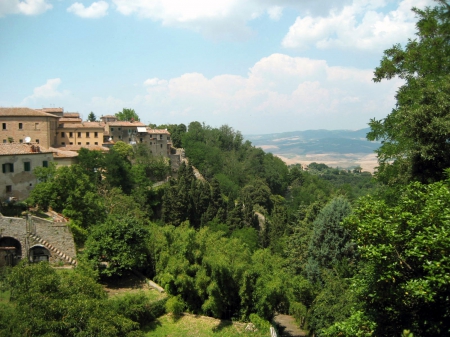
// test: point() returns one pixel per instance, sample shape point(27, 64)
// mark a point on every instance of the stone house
point(19, 123)
point(159, 141)
point(18, 162)
point(82, 133)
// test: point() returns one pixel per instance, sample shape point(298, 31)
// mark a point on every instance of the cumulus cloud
point(95, 10)
point(45, 93)
point(279, 93)
point(362, 25)
point(220, 18)
point(27, 7)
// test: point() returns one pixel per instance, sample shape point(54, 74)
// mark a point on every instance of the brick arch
point(10, 251)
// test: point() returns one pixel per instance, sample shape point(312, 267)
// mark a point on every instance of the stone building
point(83, 133)
point(19, 123)
point(159, 141)
point(18, 162)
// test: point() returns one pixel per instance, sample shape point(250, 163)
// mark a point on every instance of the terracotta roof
point(13, 112)
point(158, 131)
point(109, 116)
point(22, 148)
point(79, 147)
point(50, 110)
point(71, 115)
point(69, 119)
point(125, 123)
point(58, 153)
point(83, 125)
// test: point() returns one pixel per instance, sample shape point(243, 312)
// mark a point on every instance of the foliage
point(175, 306)
point(118, 245)
point(405, 284)
point(127, 115)
point(47, 303)
point(415, 134)
point(92, 117)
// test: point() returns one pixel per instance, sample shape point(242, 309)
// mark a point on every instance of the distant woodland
point(346, 253)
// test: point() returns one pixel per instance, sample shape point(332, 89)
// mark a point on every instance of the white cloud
point(95, 10)
point(275, 12)
point(363, 25)
point(46, 93)
point(279, 93)
point(27, 7)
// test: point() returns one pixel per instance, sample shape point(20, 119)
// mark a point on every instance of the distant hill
point(343, 148)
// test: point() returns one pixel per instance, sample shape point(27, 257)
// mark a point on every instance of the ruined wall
point(32, 231)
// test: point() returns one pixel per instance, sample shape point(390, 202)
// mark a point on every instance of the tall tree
point(92, 117)
point(415, 135)
point(127, 115)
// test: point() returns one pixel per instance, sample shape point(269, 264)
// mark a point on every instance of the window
point(37, 141)
point(79, 134)
point(87, 143)
point(8, 188)
point(151, 143)
point(160, 136)
point(120, 137)
point(96, 143)
point(168, 138)
point(119, 129)
point(3, 126)
point(87, 134)
point(7, 168)
point(79, 143)
point(63, 134)
point(20, 126)
point(71, 143)
point(63, 143)
point(4, 140)
point(45, 163)
point(129, 139)
point(140, 139)
point(161, 146)
point(70, 134)
point(95, 134)
point(21, 141)
point(112, 129)
point(36, 126)
point(27, 166)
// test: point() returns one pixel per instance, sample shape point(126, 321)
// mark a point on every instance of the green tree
point(415, 135)
point(92, 117)
point(118, 245)
point(127, 115)
point(405, 251)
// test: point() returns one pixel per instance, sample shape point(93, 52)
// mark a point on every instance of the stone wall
point(31, 232)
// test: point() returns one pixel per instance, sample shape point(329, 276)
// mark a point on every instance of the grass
point(198, 326)
point(4, 296)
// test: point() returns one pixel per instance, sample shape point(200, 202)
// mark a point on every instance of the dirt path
point(291, 327)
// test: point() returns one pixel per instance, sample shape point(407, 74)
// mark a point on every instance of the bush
point(175, 306)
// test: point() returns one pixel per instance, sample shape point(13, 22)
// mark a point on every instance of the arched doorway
point(10, 251)
point(39, 253)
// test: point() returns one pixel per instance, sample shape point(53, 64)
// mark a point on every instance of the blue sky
point(260, 66)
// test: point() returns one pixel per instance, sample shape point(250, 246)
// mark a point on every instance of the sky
point(259, 66)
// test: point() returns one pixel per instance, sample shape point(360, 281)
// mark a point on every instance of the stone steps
point(53, 249)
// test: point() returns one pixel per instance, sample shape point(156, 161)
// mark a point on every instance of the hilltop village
point(35, 137)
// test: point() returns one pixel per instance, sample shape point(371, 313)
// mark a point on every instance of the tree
point(415, 135)
point(127, 115)
point(405, 261)
point(330, 241)
point(92, 117)
point(118, 243)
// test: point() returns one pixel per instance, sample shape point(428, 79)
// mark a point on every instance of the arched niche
point(10, 251)
point(39, 253)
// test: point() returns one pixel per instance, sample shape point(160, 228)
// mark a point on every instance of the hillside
point(343, 148)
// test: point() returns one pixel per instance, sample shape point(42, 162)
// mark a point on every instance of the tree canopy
point(127, 115)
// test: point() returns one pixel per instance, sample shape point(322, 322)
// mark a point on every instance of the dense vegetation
point(346, 254)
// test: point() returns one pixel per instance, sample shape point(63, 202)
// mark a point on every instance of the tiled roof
point(84, 125)
point(69, 119)
point(125, 123)
point(79, 147)
point(22, 148)
point(71, 115)
point(109, 116)
point(50, 110)
point(13, 112)
point(158, 131)
point(58, 153)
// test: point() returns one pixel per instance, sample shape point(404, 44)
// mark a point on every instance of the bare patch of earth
point(368, 162)
point(130, 284)
point(290, 326)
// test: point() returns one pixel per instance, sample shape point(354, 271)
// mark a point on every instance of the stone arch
point(10, 251)
point(39, 253)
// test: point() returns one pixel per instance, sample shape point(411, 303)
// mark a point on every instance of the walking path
point(291, 328)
